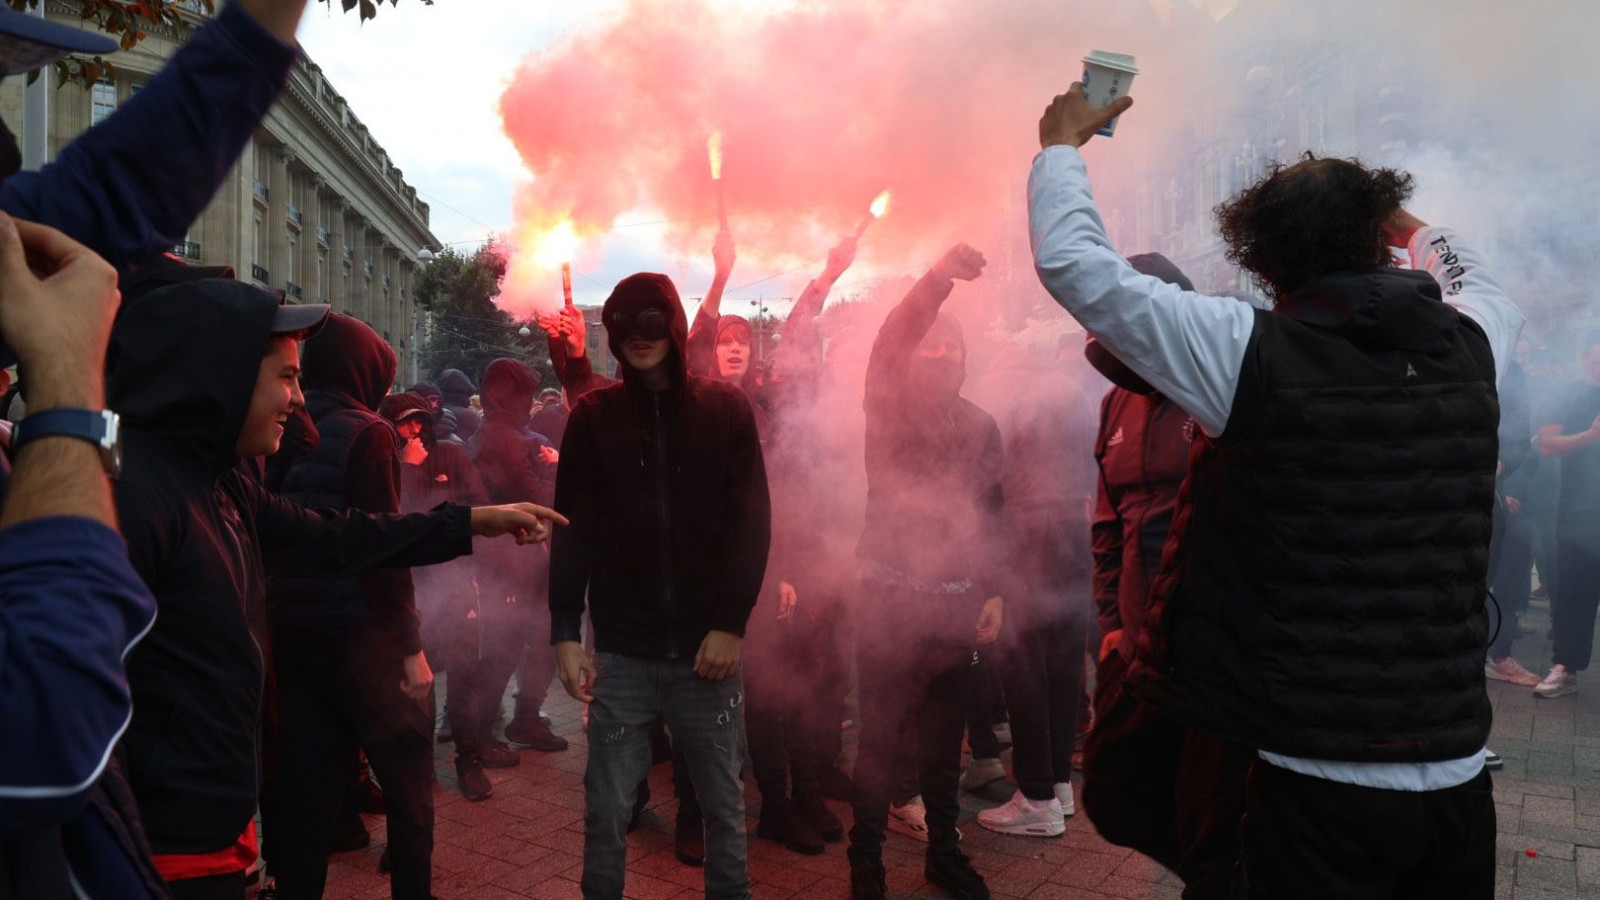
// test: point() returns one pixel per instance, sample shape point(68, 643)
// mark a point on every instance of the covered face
point(940, 361)
point(646, 326)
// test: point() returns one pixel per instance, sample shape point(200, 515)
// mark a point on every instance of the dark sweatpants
point(914, 655)
point(337, 695)
point(1170, 792)
point(1574, 606)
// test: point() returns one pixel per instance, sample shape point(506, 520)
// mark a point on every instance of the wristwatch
point(100, 427)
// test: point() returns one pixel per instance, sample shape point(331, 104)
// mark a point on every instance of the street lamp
point(525, 331)
point(424, 257)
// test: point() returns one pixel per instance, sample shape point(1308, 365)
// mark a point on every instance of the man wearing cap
point(669, 542)
point(205, 373)
point(1320, 598)
point(130, 187)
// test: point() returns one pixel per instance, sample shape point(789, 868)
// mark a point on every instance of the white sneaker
point(1509, 670)
point(981, 772)
point(1064, 797)
point(1019, 815)
point(1492, 760)
point(1002, 732)
point(911, 820)
point(1558, 683)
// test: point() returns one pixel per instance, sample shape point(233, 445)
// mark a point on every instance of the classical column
point(276, 218)
point(311, 224)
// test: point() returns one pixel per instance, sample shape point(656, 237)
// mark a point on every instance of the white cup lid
point(1123, 61)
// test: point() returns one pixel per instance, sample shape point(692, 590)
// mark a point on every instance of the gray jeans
point(707, 720)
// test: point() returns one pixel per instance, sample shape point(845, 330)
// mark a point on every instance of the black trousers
point(1170, 792)
point(1573, 608)
point(983, 703)
point(914, 656)
point(1510, 577)
point(211, 887)
point(336, 695)
point(789, 671)
point(1042, 671)
point(480, 673)
point(1308, 839)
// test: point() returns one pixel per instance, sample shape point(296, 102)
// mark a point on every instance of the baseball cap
point(28, 42)
point(299, 320)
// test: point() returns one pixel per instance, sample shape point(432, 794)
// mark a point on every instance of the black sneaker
point(774, 822)
point(689, 841)
point(474, 784)
point(268, 890)
point(868, 881)
point(821, 818)
point(536, 734)
point(802, 837)
point(953, 872)
point(496, 755)
point(349, 834)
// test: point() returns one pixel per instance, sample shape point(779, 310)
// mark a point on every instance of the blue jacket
point(71, 608)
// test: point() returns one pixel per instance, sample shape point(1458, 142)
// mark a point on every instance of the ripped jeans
point(707, 720)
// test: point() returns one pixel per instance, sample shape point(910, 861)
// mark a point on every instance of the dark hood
point(508, 389)
point(635, 294)
point(1382, 307)
point(941, 379)
point(182, 365)
point(348, 359)
point(456, 388)
point(428, 391)
point(407, 404)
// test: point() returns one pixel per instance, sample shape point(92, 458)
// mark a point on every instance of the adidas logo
point(1115, 438)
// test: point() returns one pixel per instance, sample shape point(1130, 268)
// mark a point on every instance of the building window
point(103, 100)
point(288, 265)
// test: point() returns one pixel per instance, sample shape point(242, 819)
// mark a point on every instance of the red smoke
point(821, 106)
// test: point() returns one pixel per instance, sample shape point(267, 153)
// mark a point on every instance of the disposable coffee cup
point(1107, 76)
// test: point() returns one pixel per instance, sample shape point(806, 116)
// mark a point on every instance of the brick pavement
point(526, 841)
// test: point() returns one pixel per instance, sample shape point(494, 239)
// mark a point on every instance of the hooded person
point(455, 394)
point(348, 652)
point(430, 394)
point(510, 459)
point(670, 548)
point(205, 373)
point(1173, 793)
point(551, 419)
point(931, 576)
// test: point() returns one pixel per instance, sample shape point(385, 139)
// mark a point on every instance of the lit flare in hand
point(714, 152)
point(875, 212)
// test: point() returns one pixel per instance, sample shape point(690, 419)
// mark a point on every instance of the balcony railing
point(259, 188)
point(259, 273)
point(388, 281)
point(348, 254)
point(292, 290)
point(323, 237)
point(187, 250)
point(367, 266)
point(294, 214)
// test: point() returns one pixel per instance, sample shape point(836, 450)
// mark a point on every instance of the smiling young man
point(671, 520)
point(206, 373)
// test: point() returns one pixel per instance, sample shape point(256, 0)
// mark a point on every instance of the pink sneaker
point(1509, 670)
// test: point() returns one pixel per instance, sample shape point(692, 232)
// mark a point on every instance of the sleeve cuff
point(564, 627)
point(731, 621)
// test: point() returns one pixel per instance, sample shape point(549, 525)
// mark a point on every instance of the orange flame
point(714, 150)
point(880, 205)
point(556, 246)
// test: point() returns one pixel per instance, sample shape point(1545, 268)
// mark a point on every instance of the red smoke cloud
point(822, 106)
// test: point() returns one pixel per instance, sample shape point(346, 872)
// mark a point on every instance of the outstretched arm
point(909, 321)
point(801, 350)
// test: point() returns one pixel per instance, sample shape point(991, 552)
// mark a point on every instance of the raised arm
point(801, 350)
point(1463, 280)
point(568, 333)
point(703, 333)
point(131, 186)
point(908, 323)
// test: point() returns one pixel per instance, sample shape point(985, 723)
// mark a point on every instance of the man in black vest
point(1321, 595)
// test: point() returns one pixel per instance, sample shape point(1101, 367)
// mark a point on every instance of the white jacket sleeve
point(1469, 287)
point(1189, 346)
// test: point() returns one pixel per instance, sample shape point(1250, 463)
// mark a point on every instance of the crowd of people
point(1287, 549)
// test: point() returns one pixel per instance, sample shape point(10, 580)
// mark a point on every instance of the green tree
point(468, 330)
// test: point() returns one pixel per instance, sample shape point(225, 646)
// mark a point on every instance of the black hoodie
point(201, 531)
point(347, 370)
point(934, 462)
point(667, 494)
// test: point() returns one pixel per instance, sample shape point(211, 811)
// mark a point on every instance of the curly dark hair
point(1311, 219)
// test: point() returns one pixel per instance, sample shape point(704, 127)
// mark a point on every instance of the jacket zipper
point(664, 518)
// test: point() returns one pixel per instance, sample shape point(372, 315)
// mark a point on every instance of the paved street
point(526, 841)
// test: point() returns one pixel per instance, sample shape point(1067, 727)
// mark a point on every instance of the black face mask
point(648, 325)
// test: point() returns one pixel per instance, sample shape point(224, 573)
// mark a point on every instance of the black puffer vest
point(1322, 592)
point(317, 481)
